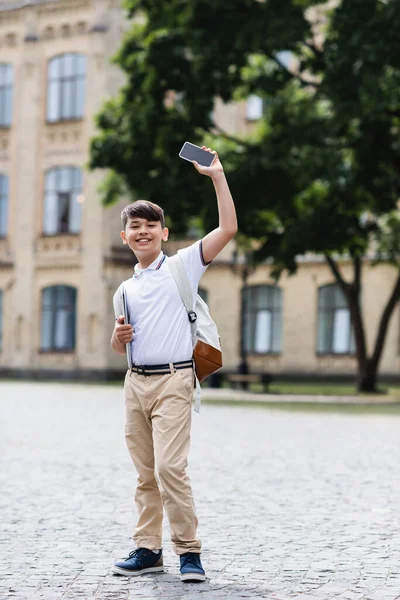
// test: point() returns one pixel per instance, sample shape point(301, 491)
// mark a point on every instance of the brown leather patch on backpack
point(207, 360)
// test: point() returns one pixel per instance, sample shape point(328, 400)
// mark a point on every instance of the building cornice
point(19, 4)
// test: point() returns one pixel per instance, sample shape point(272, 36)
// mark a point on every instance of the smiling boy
point(158, 385)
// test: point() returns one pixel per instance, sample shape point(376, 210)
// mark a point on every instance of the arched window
point(66, 76)
point(62, 212)
point(58, 319)
point(3, 205)
point(6, 85)
point(262, 319)
point(335, 334)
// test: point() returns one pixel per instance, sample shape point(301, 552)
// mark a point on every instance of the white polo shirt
point(156, 312)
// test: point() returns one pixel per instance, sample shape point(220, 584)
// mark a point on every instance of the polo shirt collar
point(155, 265)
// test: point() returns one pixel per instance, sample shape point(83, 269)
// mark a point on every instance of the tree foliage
point(318, 173)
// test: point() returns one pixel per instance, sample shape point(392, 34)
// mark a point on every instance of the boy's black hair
point(143, 209)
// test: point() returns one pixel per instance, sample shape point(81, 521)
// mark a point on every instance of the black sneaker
point(191, 568)
point(139, 562)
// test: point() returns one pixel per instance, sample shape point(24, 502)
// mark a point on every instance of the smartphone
point(191, 152)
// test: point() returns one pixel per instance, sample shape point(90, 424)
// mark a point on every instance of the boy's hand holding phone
point(215, 168)
point(204, 159)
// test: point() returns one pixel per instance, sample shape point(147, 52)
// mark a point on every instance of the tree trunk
point(357, 323)
point(367, 378)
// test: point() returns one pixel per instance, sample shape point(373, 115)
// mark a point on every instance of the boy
point(159, 385)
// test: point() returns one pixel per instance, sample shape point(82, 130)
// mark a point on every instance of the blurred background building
point(61, 257)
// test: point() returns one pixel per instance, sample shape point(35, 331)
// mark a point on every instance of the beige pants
point(157, 431)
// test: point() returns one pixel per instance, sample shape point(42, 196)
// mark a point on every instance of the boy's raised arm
point(216, 240)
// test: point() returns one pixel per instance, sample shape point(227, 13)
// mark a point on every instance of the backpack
point(207, 353)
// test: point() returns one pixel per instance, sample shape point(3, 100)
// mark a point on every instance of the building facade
point(61, 256)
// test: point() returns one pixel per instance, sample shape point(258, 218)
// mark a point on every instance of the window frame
point(250, 311)
point(4, 198)
point(56, 306)
point(74, 189)
point(6, 88)
point(64, 86)
point(331, 309)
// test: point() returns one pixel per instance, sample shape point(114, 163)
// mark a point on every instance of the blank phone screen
point(192, 152)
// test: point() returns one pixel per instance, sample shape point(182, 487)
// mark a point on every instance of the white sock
point(156, 551)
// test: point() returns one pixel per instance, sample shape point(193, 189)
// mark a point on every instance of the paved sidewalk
point(291, 503)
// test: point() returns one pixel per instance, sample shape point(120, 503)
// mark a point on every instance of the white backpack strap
point(178, 271)
point(197, 396)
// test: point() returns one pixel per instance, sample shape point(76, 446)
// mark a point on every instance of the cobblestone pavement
point(292, 504)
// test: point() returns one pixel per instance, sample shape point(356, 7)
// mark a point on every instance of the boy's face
point(144, 237)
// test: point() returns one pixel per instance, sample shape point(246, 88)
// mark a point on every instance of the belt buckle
point(140, 370)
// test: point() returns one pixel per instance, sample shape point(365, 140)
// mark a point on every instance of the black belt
point(161, 369)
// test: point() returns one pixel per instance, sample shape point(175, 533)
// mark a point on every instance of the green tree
point(318, 173)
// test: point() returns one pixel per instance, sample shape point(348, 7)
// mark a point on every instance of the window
point(3, 205)
point(58, 319)
point(6, 83)
point(285, 57)
point(1, 320)
point(62, 211)
point(254, 108)
point(66, 87)
point(335, 334)
point(262, 327)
